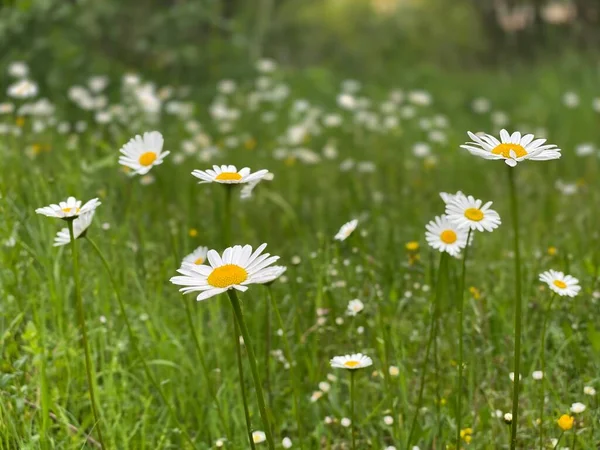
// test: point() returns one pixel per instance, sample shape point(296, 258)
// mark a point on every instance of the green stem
point(442, 268)
point(543, 363)
point(289, 357)
point(461, 300)
point(211, 388)
point(518, 308)
point(227, 217)
point(558, 441)
point(235, 303)
point(238, 349)
point(267, 353)
point(84, 337)
point(352, 418)
point(134, 341)
point(574, 435)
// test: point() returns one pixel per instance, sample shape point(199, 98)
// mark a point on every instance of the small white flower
point(18, 69)
point(286, 442)
point(23, 89)
point(324, 386)
point(80, 226)
point(537, 375)
point(508, 418)
point(69, 208)
point(228, 174)
point(512, 148)
point(346, 230)
point(577, 408)
point(345, 422)
point(352, 362)
point(512, 376)
point(316, 395)
point(142, 153)
point(470, 213)
point(354, 307)
point(258, 437)
point(393, 371)
point(388, 420)
point(563, 285)
point(589, 390)
point(198, 256)
point(445, 236)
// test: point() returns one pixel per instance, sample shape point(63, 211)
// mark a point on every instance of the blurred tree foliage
point(200, 40)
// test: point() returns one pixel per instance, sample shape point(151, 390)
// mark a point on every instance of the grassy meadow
point(379, 151)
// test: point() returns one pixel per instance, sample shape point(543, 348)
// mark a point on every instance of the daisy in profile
point(80, 226)
point(197, 257)
point(142, 153)
point(445, 236)
point(346, 230)
point(23, 89)
point(563, 285)
point(512, 148)
point(229, 175)
point(470, 213)
point(69, 209)
point(351, 362)
point(236, 268)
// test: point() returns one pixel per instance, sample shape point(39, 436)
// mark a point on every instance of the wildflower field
point(295, 258)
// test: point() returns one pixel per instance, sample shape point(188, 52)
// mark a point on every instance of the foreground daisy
point(80, 226)
point(236, 268)
point(352, 362)
point(197, 257)
point(468, 213)
point(229, 175)
point(346, 230)
point(69, 209)
point(563, 285)
point(445, 236)
point(512, 148)
point(142, 153)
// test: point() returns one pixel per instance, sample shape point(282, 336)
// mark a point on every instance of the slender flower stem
point(441, 274)
point(268, 352)
point(352, 417)
point(84, 338)
point(238, 348)
point(518, 308)
point(227, 217)
point(290, 358)
point(135, 344)
point(543, 363)
point(558, 440)
point(461, 301)
point(235, 303)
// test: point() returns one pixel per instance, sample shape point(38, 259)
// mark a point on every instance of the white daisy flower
point(577, 408)
point(23, 89)
point(69, 209)
point(468, 213)
point(589, 390)
point(229, 175)
point(142, 153)
point(352, 362)
point(346, 230)
point(237, 268)
point(563, 285)
point(258, 437)
point(354, 307)
point(445, 236)
point(18, 69)
point(80, 226)
point(512, 148)
point(286, 442)
point(197, 257)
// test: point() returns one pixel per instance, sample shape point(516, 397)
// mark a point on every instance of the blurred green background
point(198, 41)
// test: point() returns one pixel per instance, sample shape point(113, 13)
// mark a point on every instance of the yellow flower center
point(146, 159)
point(505, 149)
point(228, 176)
point(351, 364)
point(560, 284)
point(68, 210)
point(448, 237)
point(199, 261)
point(412, 246)
point(227, 275)
point(474, 214)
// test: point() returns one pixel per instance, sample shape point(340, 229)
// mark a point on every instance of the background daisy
point(142, 153)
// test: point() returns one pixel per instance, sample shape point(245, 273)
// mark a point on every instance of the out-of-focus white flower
point(23, 89)
point(18, 69)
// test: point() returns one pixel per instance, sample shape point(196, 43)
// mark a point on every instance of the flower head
point(577, 408)
point(23, 89)
point(565, 422)
point(351, 362)
point(563, 285)
point(512, 148)
point(236, 268)
point(229, 175)
point(354, 307)
point(142, 153)
point(469, 213)
point(258, 437)
point(197, 257)
point(80, 226)
point(445, 236)
point(346, 230)
point(68, 209)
